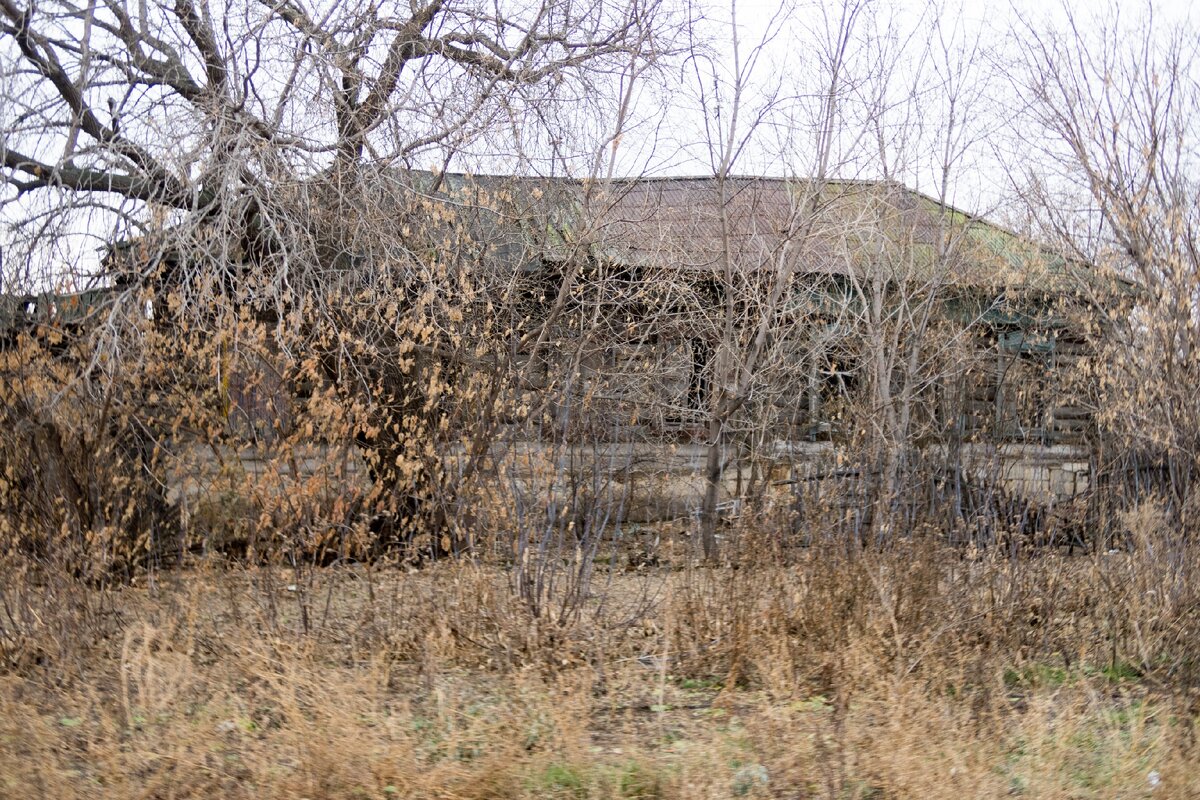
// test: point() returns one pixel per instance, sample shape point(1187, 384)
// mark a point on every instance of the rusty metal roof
point(848, 228)
point(747, 223)
point(751, 223)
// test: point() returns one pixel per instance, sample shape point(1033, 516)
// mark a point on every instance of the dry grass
point(914, 672)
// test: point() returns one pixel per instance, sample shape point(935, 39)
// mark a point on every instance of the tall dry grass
point(913, 671)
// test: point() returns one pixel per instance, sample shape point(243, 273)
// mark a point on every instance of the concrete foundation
point(638, 481)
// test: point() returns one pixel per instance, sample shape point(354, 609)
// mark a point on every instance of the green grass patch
point(1037, 675)
point(561, 780)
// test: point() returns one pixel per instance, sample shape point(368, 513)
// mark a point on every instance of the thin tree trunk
point(712, 490)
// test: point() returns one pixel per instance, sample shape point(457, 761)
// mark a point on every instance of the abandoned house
point(780, 320)
point(850, 302)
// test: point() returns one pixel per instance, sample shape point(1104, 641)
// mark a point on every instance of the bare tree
point(1116, 98)
point(754, 279)
point(255, 159)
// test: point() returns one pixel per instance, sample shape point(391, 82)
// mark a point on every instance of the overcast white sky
point(906, 57)
point(915, 35)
